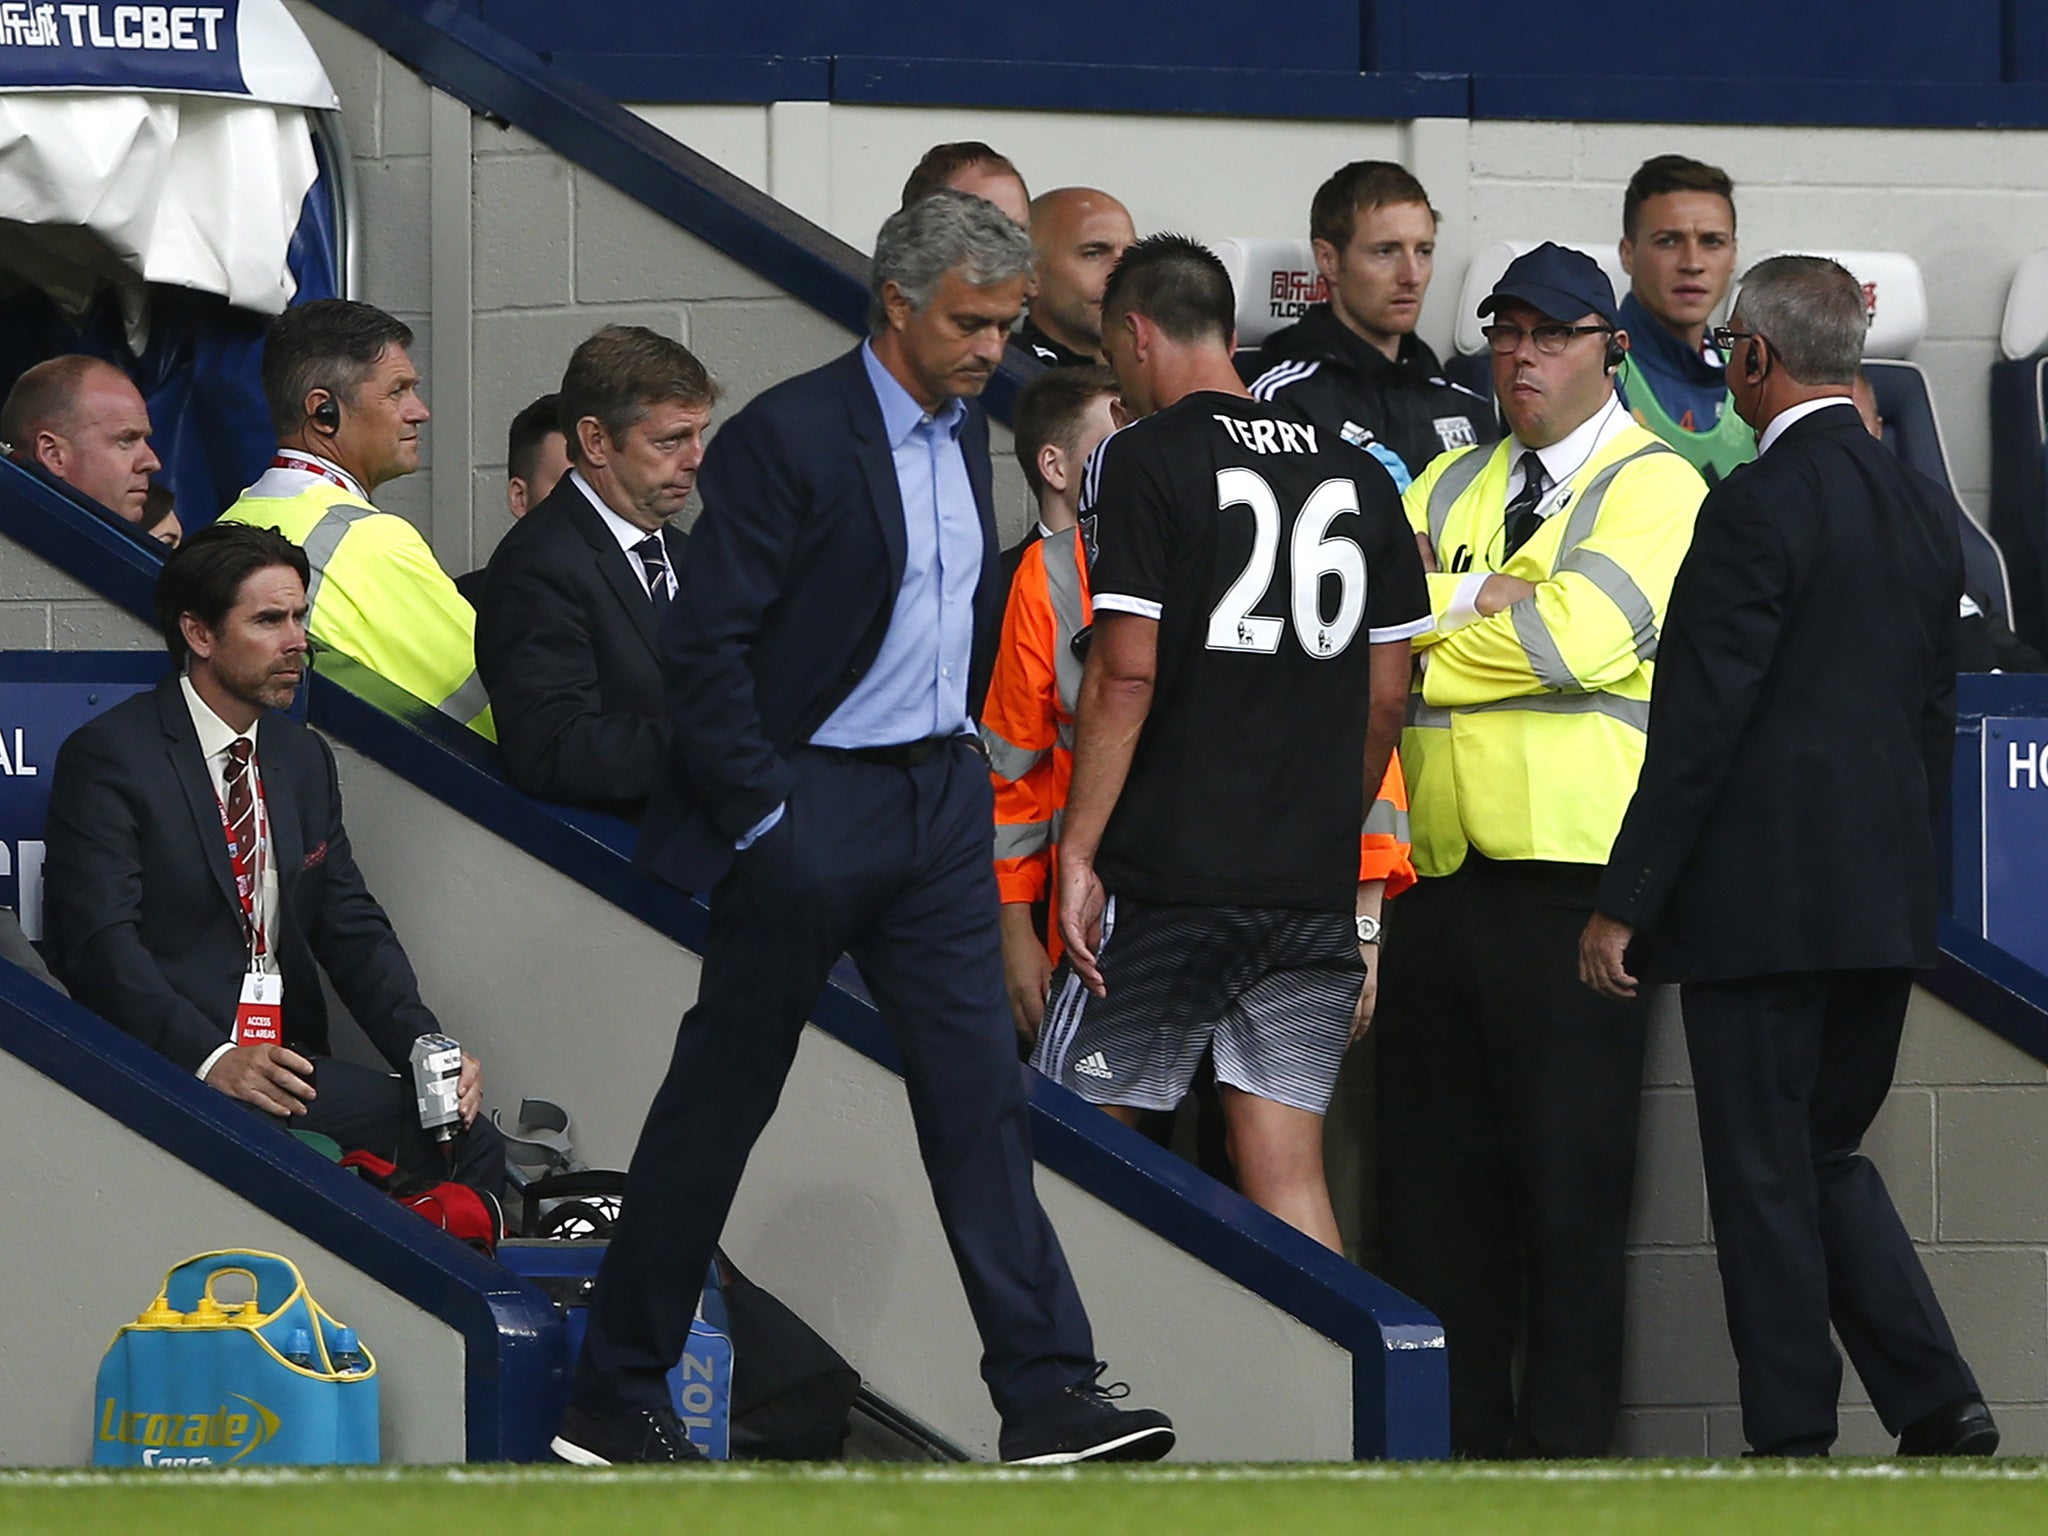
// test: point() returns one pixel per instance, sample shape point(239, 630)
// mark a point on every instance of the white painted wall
point(1967, 204)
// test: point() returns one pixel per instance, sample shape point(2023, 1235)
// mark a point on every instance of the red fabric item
point(455, 1208)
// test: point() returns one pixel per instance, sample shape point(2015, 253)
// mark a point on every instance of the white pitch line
point(884, 1474)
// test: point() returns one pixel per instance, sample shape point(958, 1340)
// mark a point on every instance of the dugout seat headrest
point(2025, 331)
point(1276, 281)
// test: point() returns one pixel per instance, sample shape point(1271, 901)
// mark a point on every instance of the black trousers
point(1789, 1071)
point(1509, 1096)
point(371, 1111)
point(892, 866)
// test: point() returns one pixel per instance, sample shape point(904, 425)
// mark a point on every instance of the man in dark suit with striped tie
point(195, 838)
point(573, 597)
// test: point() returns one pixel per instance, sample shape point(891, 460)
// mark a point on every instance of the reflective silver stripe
point(1456, 479)
point(1019, 839)
point(324, 538)
point(1059, 822)
point(1386, 819)
point(1606, 573)
point(1063, 588)
point(1635, 712)
point(1006, 758)
point(1430, 717)
point(1579, 527)
point(1063, 733)
point(466, 702)
point(1540, 646)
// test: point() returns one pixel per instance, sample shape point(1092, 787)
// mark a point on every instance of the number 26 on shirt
point(1311, 556)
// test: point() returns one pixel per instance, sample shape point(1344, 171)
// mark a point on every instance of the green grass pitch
point(1656, 1498)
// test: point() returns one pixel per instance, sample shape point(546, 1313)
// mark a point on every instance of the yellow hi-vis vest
point(378, 595)
point(1526, 729)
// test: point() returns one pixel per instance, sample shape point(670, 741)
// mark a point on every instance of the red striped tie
point(241, 806)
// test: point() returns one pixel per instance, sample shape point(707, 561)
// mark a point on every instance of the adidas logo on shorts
point(1092, 1065)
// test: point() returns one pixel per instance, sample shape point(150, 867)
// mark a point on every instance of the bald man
point(1077, 234)
point(81, 420)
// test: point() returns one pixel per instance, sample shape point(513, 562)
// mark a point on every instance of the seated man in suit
point(197, 857)
point(566, 630)
point(536, 457)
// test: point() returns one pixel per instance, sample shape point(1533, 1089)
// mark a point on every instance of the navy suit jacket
point(565, 643)
point(1801, 724)
point(784, 595)
point(139, 897)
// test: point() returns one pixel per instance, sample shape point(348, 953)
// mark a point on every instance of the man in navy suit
point(195, 836)
point(824, 785)
point(565, 627)
point(1813, 625)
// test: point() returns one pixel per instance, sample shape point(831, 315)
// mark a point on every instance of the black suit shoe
point(642, 1436)
point(1962, 1428)
point(1083, 1423)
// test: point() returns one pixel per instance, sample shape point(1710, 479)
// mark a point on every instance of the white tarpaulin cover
point(155, 143)
point(198, 192)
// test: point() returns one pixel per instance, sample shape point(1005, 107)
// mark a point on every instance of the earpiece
point(1752, 365)
point(1617, 354)
point(327, 415)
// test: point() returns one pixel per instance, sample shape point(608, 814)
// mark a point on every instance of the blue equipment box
point(701, 1383)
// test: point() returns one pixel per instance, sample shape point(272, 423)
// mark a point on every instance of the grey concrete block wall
point(42, 609)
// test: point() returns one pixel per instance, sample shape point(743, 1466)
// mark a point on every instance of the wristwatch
point(1368, 929)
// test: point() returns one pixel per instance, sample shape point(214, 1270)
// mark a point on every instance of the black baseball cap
point(1564, 284)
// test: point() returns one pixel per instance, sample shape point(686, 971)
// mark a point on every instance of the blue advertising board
point(2015, 836)
point(44, 697)
point(126, 47)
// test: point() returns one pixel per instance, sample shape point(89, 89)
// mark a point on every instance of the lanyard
point(247, 864)
point(288, 458)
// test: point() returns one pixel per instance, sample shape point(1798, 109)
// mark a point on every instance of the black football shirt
point(1274, 556)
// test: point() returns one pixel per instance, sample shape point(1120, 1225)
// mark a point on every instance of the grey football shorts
point(1269, 990)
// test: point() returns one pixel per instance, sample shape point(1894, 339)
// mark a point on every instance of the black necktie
point(1522, 521)
point(654, 561)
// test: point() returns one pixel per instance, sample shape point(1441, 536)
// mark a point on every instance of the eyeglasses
point(1550, 339)
point(1725, 337)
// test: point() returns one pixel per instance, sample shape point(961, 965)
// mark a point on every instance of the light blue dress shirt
point(917, 686)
